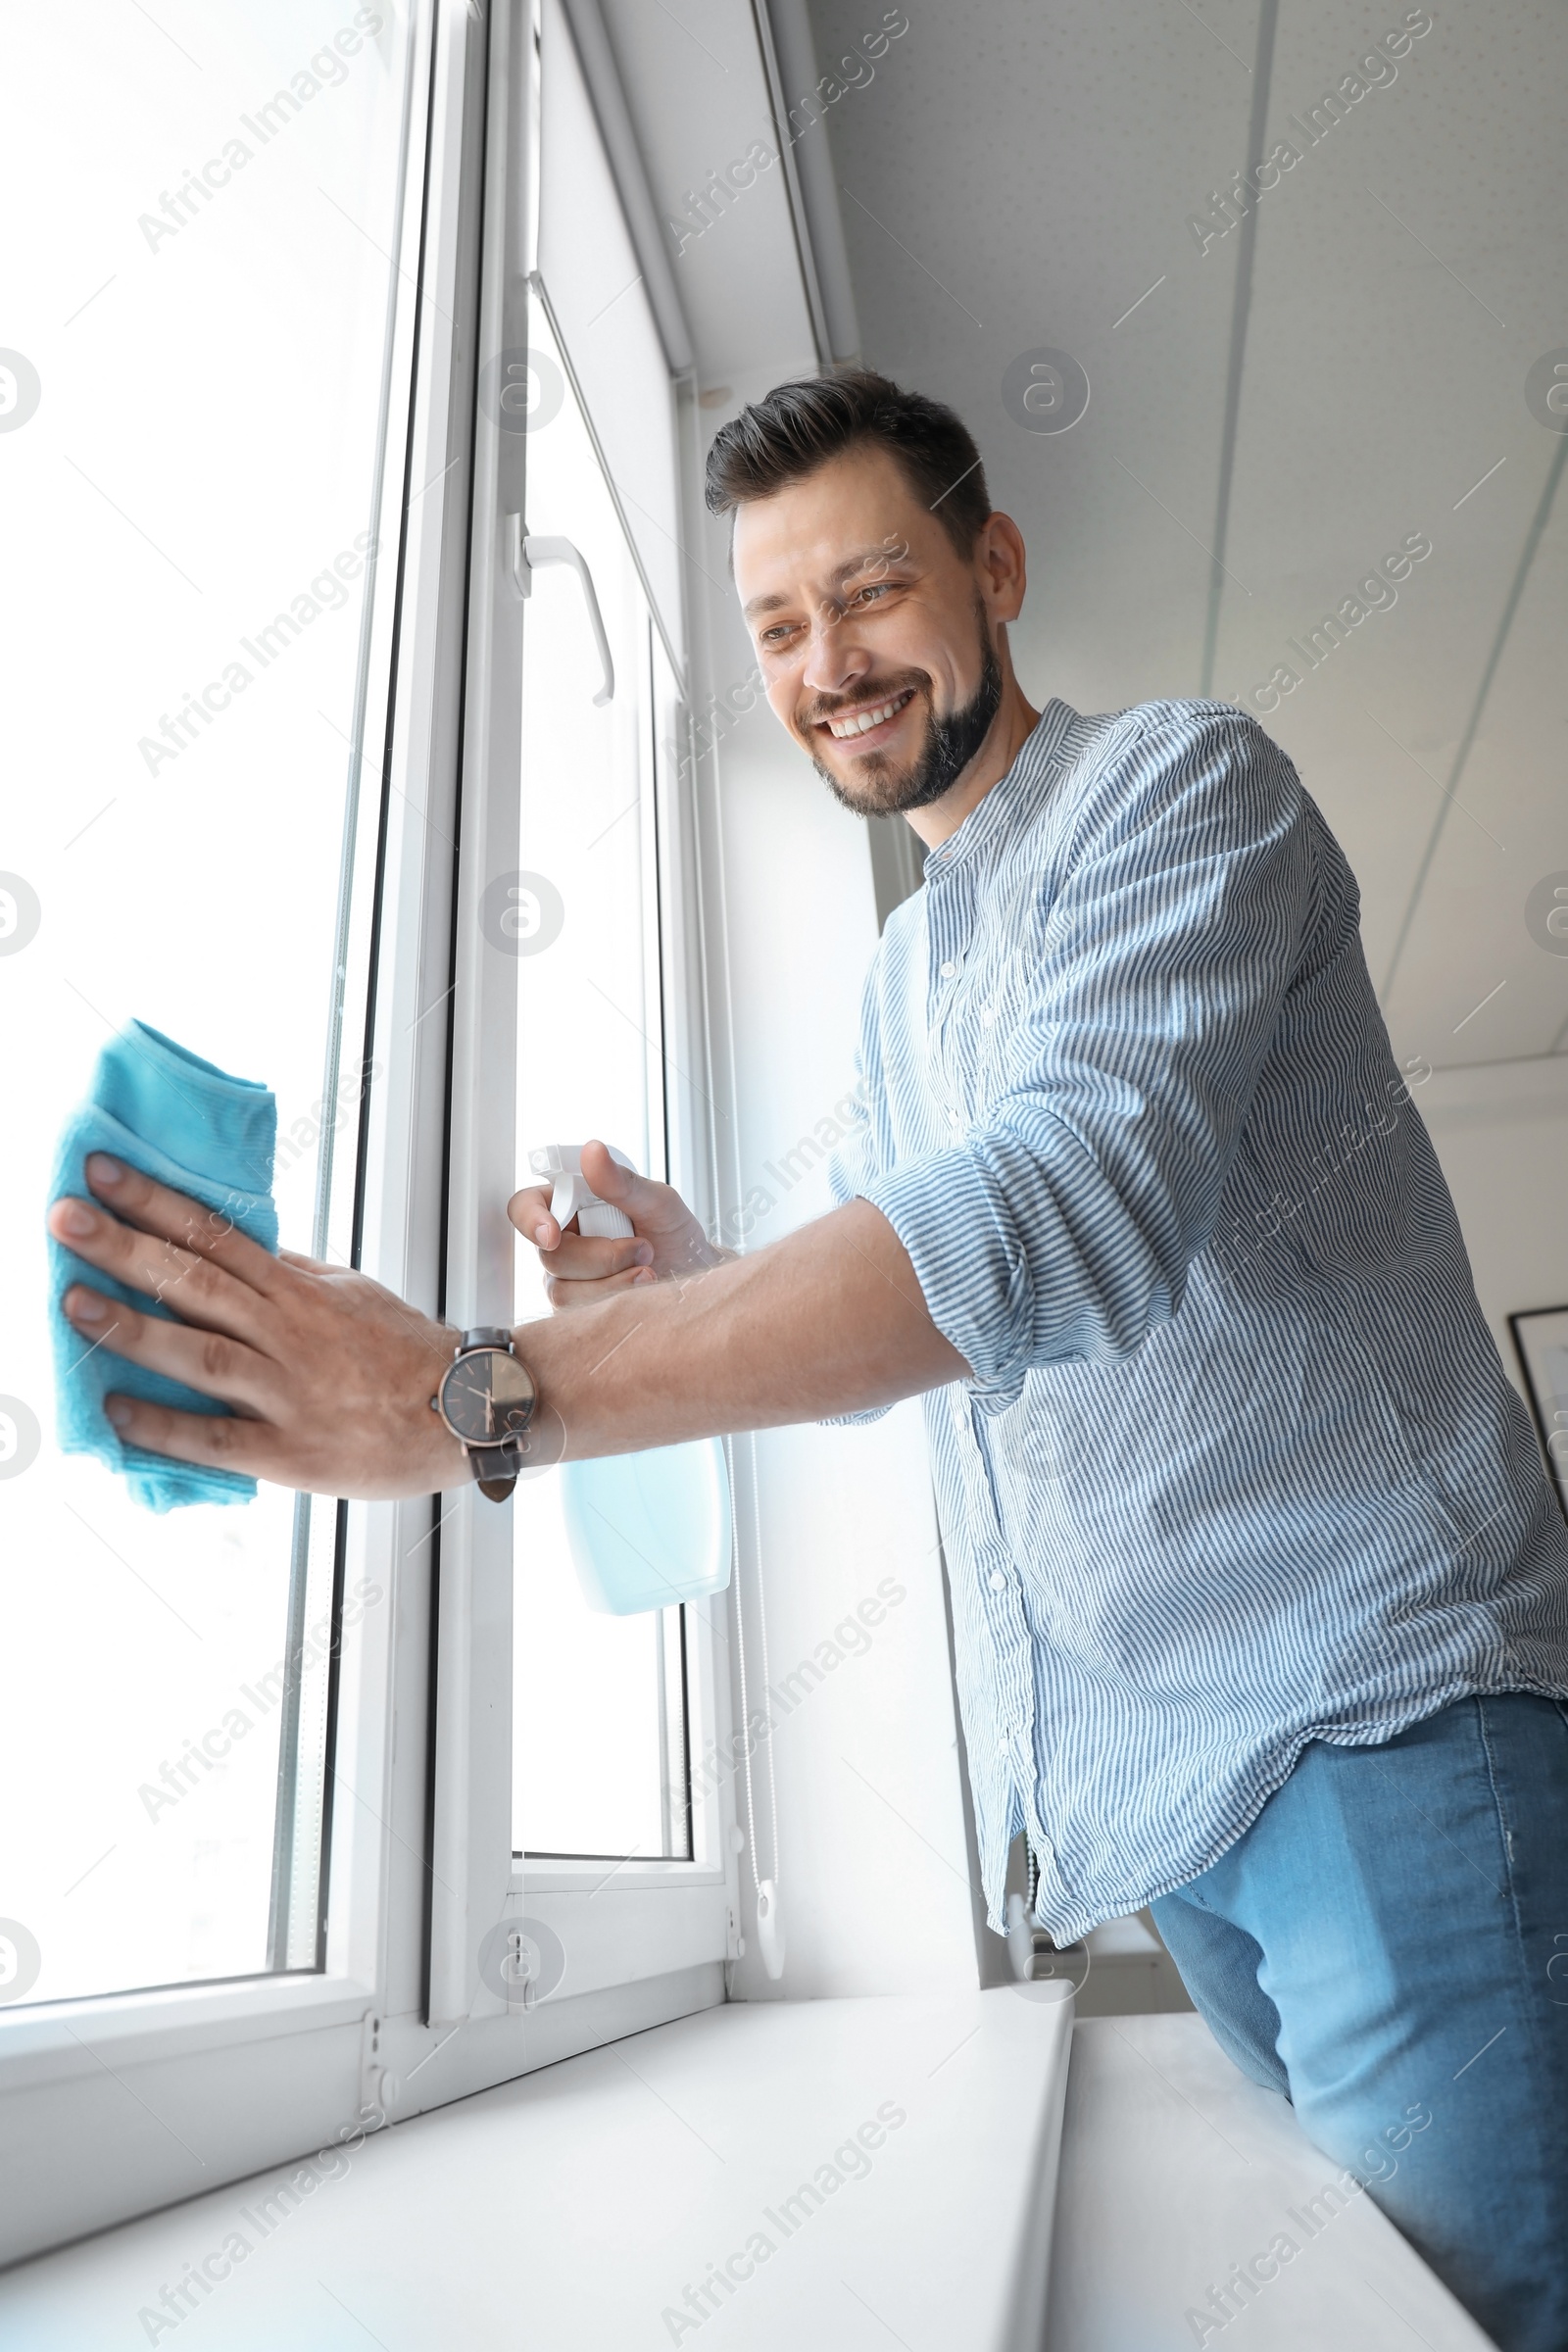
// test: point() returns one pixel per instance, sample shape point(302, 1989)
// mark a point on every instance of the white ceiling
point(1015, 176)
point(1041, 162)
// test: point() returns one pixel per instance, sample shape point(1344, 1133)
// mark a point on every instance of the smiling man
point(1260, 1593)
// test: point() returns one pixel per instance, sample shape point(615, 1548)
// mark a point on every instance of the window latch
point(524, 557)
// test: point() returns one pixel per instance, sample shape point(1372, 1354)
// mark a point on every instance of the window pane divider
point(470, 1830)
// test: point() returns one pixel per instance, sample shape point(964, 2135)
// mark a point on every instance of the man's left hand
point(666, 1240)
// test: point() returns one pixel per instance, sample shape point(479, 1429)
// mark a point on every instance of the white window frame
point(124, 2102)
point(656, 1931)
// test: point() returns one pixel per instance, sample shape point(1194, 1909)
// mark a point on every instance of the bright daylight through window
point(599, 1760)
point(192, 591)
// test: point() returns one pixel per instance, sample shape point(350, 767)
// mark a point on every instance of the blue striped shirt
point(1238, 1466)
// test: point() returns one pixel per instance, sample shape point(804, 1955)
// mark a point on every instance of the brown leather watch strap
point(495, 1469)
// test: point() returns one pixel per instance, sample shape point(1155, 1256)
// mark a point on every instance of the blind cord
point(762, 1622)
point(740, 1640)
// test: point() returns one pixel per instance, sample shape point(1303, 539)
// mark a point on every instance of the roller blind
point(589, 271)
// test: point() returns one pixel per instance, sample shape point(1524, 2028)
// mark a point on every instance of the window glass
point(599, 1741)
point(189, 433)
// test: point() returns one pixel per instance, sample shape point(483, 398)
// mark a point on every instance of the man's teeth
point(861, 721)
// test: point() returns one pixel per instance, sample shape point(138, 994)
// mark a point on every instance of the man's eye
point(873, 588)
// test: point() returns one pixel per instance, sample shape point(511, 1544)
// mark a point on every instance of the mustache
point(825, 706)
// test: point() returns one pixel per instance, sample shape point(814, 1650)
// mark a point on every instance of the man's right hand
point(667, 1242)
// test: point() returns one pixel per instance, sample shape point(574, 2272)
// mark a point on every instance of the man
point(1261, 1596)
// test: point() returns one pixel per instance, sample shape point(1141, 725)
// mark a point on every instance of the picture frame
point(1541, 1338)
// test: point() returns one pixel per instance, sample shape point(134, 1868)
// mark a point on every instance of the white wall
point(874, 1872)
point(1500, 1130)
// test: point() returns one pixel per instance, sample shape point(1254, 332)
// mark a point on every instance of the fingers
point(564, 1294)
point(308, 1265)
point(205, 1360)
point(529, 1211)
point(580, 1257)
point(188, 1285)
point(215, 1440)
point(206, 1232)
point(639, 1195)
point(575, 1257)
point(648, 1204)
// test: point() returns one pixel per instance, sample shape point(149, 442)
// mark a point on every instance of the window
point(577, 833)
point(195, 576)
point(606, 1692)
point(287, 722)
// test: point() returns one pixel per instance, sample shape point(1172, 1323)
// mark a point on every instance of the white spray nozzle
point(571, 1196)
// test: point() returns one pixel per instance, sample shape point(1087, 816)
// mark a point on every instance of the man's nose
point(834, 663)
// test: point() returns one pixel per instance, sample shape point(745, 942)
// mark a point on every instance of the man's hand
point(580, 1271)
point(328, 1376)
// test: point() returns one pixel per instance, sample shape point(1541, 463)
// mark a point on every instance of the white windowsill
point(1175, 2168)
point(57, 2040)
point(578, 2204)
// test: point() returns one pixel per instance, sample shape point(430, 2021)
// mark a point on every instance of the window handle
point(524, 557)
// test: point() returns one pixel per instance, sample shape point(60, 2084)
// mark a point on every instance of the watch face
point(487, 1397)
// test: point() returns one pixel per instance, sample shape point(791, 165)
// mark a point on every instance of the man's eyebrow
point(864, 560)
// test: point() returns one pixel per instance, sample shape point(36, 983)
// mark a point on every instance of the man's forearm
point(830, 1320)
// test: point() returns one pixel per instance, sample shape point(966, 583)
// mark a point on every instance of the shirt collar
point(1016, 795)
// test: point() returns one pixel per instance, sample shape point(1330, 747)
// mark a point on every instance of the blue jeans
point(1388, 1946)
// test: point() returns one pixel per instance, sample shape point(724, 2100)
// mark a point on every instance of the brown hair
point(798, 427)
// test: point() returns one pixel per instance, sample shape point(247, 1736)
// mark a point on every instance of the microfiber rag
point(191, 1126)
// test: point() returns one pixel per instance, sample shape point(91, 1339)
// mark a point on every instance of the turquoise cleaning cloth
point(175, 1116)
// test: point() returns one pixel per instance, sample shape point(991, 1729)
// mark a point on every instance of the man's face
point(873, 633)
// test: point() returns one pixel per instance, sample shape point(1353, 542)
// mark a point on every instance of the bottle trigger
point(571, 1198)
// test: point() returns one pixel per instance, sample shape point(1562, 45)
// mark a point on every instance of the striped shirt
point(1238, 1466)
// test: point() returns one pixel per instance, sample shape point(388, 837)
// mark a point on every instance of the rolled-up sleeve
point(1061, 1227)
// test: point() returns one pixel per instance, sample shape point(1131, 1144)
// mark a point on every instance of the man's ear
point(1003, 565)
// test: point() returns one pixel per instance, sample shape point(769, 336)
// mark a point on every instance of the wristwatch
point(487, 1398)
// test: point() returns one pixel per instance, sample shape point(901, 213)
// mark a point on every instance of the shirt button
point(987, 1018)
point(954, 1118)
point(998, 1583)
point(948, 971)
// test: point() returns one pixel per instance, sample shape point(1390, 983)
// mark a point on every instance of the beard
point(883, 788)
